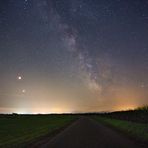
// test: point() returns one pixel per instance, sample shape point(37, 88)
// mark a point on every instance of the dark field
point(139, 131)
point(132, 122)
point(21, 129)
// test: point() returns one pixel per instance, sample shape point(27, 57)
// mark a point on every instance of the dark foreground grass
point(135, 130)
point(20, 129)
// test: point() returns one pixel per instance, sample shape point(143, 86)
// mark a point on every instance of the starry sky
point(73, 55)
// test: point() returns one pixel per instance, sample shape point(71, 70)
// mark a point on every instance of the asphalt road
point(87, 133)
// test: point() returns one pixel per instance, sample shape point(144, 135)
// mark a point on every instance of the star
point(142, 86)
point(19, 78)
point(23, 91)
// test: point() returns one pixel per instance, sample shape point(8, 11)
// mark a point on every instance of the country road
point(87, 133)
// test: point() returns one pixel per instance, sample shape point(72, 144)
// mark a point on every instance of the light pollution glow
point(45, 99)
point(59, 56)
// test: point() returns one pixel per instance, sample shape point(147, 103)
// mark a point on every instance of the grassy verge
point(136, 130)
point(20, 129)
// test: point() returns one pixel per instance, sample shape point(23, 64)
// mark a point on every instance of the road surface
point(87, 133)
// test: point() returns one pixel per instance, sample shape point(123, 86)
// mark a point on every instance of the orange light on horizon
point(125, 107)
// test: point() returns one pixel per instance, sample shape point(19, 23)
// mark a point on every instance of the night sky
point(73, 55)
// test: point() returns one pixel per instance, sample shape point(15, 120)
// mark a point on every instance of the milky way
point(73, 55)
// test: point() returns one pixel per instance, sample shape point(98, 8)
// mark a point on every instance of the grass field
point(20, 129)
point(132, 122)
point(133, 129)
